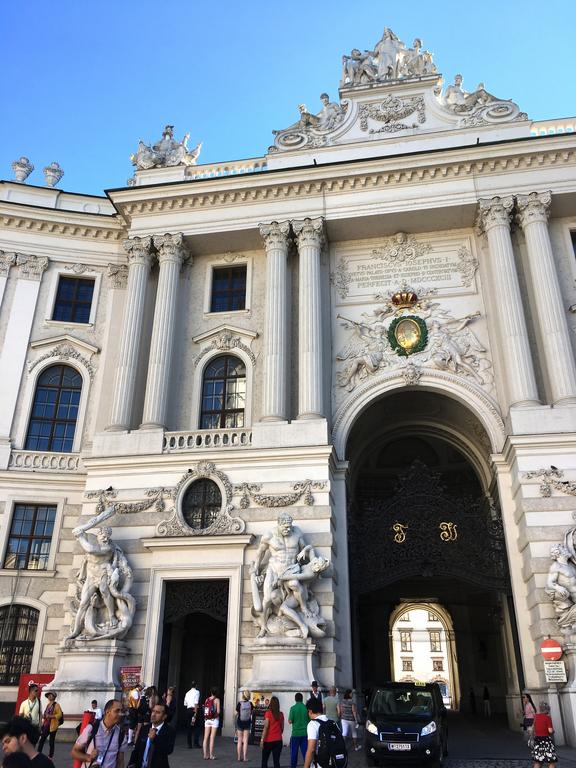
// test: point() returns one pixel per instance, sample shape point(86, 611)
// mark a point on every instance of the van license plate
point(400, 747)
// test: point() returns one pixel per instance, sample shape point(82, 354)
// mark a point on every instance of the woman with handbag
point(544, 750)
point(528, 714)
point(52, 719)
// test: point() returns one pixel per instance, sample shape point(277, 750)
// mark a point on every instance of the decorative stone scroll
point(551, 480)
point(7, 260)
point(118, 274)
point(391, 111)
point(225, 341)
point(300, 491)
point(65, 352)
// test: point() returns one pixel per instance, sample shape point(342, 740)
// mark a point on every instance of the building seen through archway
point(431, 595)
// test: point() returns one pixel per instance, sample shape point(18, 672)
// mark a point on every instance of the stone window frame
point(218, 479)
point(30, 538)
point(53, 421)
point(407, 665)
point(42, 608)
point(27, 399)
point(53, 290)
point(182, 496)
point(219, 263)
point(31, 498)
point(198, 384)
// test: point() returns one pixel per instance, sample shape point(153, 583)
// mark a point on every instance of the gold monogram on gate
point(448, 531)
point(399, 532)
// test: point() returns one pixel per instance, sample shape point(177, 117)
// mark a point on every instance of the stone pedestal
point(282, 666)
point(86, 671)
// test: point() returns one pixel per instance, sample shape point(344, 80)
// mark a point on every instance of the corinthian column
point(310, 238)
point(533, 210)
point(276, 343)
point(171, 253)
point(139, 251)
point(494, 220)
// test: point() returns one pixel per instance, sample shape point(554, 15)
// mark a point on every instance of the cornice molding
point(352, 181)
point(69, 229)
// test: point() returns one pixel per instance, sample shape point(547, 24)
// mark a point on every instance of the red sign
point(25, 680)
point(551, 650)
point(129, 677)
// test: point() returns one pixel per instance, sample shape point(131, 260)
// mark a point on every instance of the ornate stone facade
point(371, 338)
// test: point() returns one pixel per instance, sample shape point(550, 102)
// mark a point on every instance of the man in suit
point(154, 744)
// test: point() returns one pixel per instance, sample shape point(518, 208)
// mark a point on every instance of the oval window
point(201, 504)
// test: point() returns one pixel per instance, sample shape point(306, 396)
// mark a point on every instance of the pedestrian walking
point(543, 750)
point(104, 741)
point(348, 715)
point(155, 745)
point(331, 704)
point(316, 693)
point(211, 723)
point(20, 735)
point(52, 719)
point(298, 719)
point(487, 708)
point(31, 708)
point(271, 741)
point(528, 714)
point(96, 710)
point(192, 704)
point(243, 724)
point(169, 698)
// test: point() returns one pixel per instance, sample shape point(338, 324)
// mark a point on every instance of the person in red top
point(271, 741)
point(543, 750)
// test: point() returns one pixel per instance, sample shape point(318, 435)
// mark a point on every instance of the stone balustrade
point(214, 170)
point(205, 439)
point(36, 461)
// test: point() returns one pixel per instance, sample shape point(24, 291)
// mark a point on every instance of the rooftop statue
point(310, 128)
point(166, 153)
point(390, 60)
point(460, 101)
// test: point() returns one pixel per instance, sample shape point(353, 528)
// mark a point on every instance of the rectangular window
point(432, 617)
point(228, 289)
point(437, 665)
point(435, 644)
point(18, 624)
point(73, 300)
point(30, 537)
point(406, 617)
point(406, 641)
point(407, 665)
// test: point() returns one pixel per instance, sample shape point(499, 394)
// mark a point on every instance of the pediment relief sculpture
point(64, 348)
point(225, 338)
point(413, 329)
point(165, 153)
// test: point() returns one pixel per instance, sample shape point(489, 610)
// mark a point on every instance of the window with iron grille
point(437, 665)
point(406, 641)
point(435, 643)
point(223, 394)
point(202, 503)
point(30, 537)
point(18, 625)
point(73, 300)
point(55, 410)
point(228, 289)
point(407, 665)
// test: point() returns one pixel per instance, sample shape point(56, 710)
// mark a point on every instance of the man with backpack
point(326, 745)
point(102, 744)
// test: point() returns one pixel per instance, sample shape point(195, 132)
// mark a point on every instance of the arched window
point(202, 503)
point(55, 410)
point(18, 624)
point(223, 394)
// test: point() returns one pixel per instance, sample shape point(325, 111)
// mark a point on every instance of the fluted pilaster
point(533, 211)
point(171, 253)
point(139, 251)
point(310, 239)
point(276, 337)
point(494, 219)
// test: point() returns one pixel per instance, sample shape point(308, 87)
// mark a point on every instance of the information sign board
point(555, 671)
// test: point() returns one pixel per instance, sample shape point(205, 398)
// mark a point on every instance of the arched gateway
point(425, 530)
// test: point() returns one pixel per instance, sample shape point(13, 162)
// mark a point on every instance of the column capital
point(31, 267)
point(309, 231)
point(6, 261)
point(533, 207)
point(139, 250)
point(275, 234)
point(171, 247)
point(495, 212)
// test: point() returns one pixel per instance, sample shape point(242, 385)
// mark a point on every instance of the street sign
point(551, 650)
point(555, 671)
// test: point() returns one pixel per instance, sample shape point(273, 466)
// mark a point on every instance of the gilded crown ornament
point(404, 299)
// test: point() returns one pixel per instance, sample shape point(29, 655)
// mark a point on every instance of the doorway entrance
point(428, 567)
point(194, 638)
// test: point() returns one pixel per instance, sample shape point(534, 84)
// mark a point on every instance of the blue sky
point(83, 80)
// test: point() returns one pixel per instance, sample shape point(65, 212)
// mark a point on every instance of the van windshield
point(401, 702)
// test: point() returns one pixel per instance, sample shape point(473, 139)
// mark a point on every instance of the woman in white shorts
point(348, 715)
point(211, 723)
